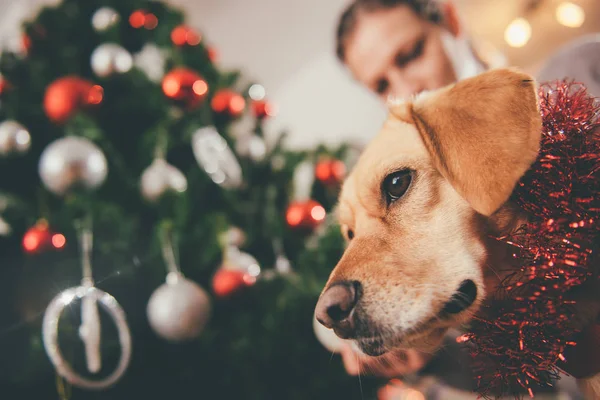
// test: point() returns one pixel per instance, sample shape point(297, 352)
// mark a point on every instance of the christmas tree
point(121, 165)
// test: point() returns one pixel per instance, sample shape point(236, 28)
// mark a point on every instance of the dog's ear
point(483, 133)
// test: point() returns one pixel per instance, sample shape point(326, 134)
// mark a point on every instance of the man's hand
point(390, 365)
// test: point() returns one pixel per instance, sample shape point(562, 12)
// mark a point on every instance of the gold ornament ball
point(14, 138)
point(179, 309)
point(72, 162)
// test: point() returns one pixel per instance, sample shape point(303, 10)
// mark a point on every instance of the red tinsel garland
point(528, 322)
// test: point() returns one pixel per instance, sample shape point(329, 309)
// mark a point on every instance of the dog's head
point(415, 207)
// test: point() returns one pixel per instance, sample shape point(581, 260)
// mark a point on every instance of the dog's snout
point(334, 308)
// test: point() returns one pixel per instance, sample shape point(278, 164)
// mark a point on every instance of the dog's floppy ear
point(483, 133)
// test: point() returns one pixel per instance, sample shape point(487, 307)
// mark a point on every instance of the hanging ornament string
point(179, 309)
point(89, 330)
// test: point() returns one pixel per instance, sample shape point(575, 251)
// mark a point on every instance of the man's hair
point(426, 9)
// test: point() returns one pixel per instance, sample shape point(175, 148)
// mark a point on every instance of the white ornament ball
point(109, 59)
point(253, 147)
point(161, 177)
point(327, 337)
point(104, 18)
point(72, 162)
point(14, 138)
point(179, 309)
point(152, 60)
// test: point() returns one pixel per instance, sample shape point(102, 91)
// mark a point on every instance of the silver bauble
point(252, 146)
point(104, 18)
point(179, 309)
point(72, 162)
point(216, 158)
point(109, 59)
point(14, 138)
point(161, 177)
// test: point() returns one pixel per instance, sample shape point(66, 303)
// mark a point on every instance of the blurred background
point(289, 46)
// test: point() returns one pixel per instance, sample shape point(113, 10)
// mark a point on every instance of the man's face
point(395, 52)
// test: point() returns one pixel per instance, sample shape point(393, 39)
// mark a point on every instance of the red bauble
point(5, 86)
point(330, 171)
point(40, 238)
point(183, 35)
point(305, 214)
point(263, 109)
point(143, 19)
point(229, 281)
point(227, 102)
point(185, 86)
point(65, 96)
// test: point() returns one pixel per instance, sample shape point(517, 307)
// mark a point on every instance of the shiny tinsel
point(527, 325)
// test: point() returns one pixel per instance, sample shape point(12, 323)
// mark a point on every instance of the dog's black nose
point(334, 308)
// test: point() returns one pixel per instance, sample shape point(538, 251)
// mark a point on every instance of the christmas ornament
point(185, 87)
point(330, 171)
point(4, 85)
point(104, 18)
point(179, 309)
point(229, 103)
point(5, 228)
point(305, 214)
point(262, 109)
point(14, 138)
point(257, 92)
point(251, 146)
point(233, 236)
point(183, 35)
point(327, 337)
point(39, 238)
point(72, 162)
point(65, 96)
point(213, 54)
point(238, 270)
point(227, 282)
point(216, 158)
point(90, 329)
point(152, 61)
point(109, 59)
point(527, 328)
point(143, 19)
point(161, 177)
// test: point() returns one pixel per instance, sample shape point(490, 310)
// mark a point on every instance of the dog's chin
point(426, 341)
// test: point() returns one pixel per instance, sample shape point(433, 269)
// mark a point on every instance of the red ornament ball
point(39, 238)
point(143, 19)
point(229, 281)
point(305, 214)
point(262, 109)
point(65, 96)
point(185, 86)
point(330, 171)
point(227, 102)
point(183, 35)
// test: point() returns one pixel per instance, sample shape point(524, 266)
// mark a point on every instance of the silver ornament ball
point(179, 309)
point(109, 59)
point(161, 177)
point(14, 138)
point(104, 18)
point(72, 162)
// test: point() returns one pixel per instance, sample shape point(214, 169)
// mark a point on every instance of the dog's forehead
point(397, 146)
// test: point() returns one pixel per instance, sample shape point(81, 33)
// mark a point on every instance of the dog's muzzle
point(463, 298)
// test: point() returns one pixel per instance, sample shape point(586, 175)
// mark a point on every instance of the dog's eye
point(396, 184)
point(350, 234)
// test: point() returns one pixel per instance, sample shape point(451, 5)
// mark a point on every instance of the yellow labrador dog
point(419, 207)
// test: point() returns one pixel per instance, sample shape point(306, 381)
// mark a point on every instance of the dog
point(418, 211)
